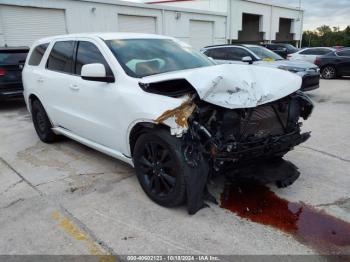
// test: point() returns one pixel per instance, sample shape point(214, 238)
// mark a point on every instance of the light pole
point(301, 20)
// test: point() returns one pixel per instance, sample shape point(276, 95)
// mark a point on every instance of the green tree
point(326, 36)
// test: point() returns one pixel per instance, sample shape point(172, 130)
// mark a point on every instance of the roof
point(228, 45)
point(107, 36)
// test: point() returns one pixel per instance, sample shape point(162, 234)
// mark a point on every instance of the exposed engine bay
point(238, 135)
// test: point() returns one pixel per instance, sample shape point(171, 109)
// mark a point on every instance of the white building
point(250, 20)
point(211, 22)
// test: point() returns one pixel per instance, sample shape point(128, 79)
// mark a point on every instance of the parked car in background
point(12, 60)
point(262, 56)
point(338, 47)
point(309, 54)
point(334, 64)
point(164, 108)
point(281, 49)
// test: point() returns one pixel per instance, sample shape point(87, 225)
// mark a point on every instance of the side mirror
point(247, 59)
point(95, 72)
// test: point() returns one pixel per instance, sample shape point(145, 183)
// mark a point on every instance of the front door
point(95, 102)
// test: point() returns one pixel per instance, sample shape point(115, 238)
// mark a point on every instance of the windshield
point(144, 57)
point(264, 53)
point(291, 48)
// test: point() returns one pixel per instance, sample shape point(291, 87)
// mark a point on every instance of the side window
point(306, 52)
point(37, 54)
point(322, 51)
point(344, 53)
point(61, 57)
point(88, 53)
point(236, 53)
point(217, 53)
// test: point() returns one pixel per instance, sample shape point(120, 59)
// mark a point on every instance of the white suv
point(156, 104)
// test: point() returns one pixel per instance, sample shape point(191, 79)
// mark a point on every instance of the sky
point(320, 12)
point(317, 12)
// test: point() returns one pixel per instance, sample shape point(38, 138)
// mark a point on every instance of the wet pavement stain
point(71, 229)
point(322, 232)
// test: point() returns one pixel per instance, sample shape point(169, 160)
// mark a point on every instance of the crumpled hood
point(235, 86)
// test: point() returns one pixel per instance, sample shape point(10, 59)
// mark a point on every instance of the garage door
point(23, 25)
point(201, 33)
point(137, 24)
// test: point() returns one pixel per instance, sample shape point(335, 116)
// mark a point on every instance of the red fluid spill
point(324, 233)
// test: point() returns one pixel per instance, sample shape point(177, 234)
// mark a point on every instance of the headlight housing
point(292, 69)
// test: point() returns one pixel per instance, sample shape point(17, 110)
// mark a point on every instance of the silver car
point(258, 55)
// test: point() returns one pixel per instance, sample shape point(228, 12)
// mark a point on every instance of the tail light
point(317, 61)
point(2, 72)
point(289, 56)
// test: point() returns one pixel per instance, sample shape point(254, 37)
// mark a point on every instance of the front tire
point(42, 123)
point(328, 72)
point(160, 167)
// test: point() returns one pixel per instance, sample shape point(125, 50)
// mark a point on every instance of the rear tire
point(42, 123)
point(328, 72)
point(160, 167)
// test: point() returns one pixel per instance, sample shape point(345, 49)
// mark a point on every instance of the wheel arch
point(31, 99)
point(140, 128)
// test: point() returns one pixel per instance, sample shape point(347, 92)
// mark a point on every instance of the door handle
point(40, 80)
point(74, 87)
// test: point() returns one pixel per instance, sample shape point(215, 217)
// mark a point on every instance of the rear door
point(228, 55)
point(218, 54)
point(11, 66)
point(344, 62)
point(235, 55)
point(308, 55)
point(55, 85)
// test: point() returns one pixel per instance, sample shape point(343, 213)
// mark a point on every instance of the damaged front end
point(220, 139)
point(239, 135)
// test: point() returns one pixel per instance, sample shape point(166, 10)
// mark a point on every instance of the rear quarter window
point(37, 54)
point(344, 53)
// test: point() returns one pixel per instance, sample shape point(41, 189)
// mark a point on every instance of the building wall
point(102, 16)
point(209, 5)
point(270, 15)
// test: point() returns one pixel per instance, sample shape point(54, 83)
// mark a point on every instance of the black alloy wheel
point(160, 167)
